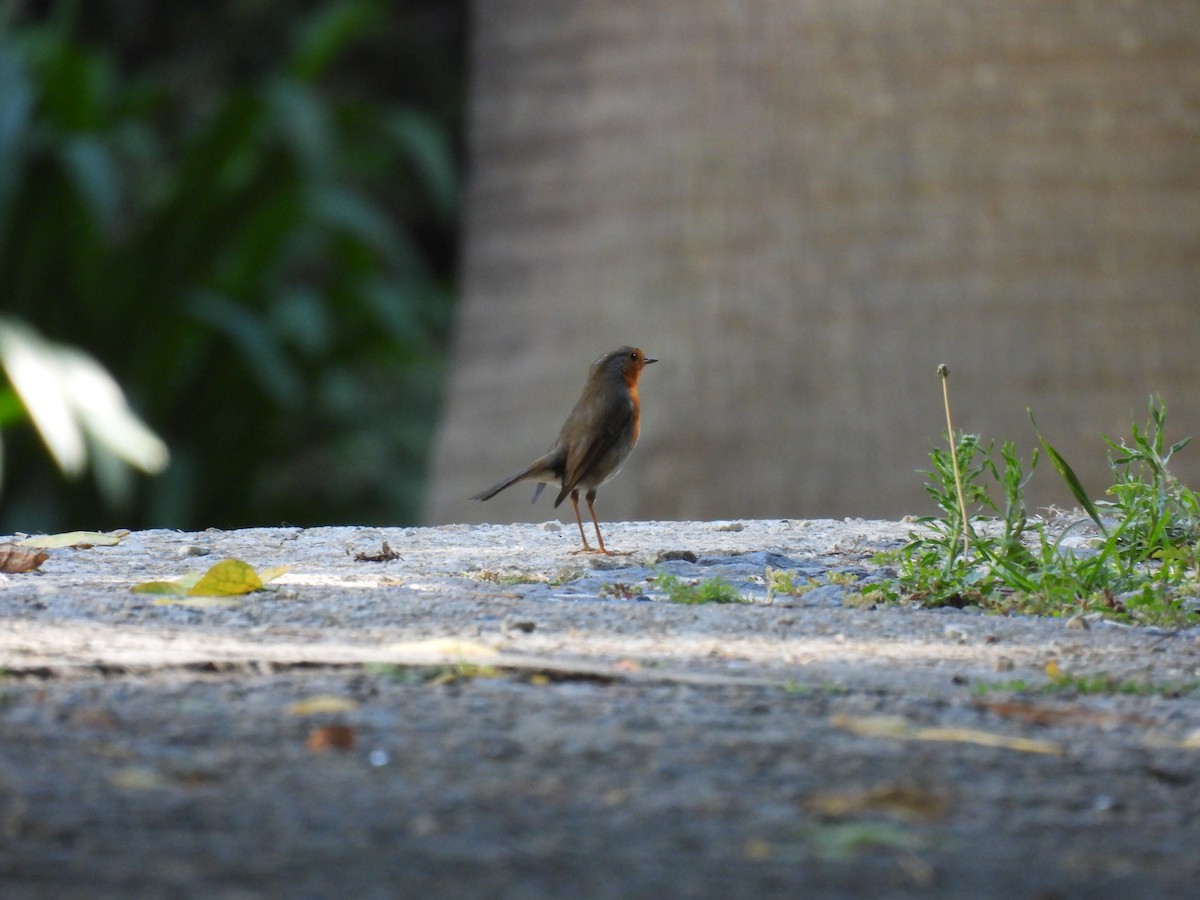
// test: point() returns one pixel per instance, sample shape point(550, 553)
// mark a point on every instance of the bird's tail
point(533, 470)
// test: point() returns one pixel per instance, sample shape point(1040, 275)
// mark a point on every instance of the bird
point(595, 440)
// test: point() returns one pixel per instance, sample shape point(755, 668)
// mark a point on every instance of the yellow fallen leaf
point(874, 726)
point(227, 578)
point(177, 588)
point(266, 576)
point(78, 539)
point(137, 778)
point(757, 848)
point(899, 801)
point(1190, 741)
point(1053, 670)
point(321, 703)
point(167, 588)
point(900, 729)
point(989, 739)
point(442, 649)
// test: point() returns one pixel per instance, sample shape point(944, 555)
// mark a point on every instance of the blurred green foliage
point(246, 212)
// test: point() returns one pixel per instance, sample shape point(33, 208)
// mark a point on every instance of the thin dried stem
point(944, 373)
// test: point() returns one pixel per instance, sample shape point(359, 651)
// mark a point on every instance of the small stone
point(957, 634)
point(551, 526)
point(1002, 664)
point(680, 555)
point(731, 526)
point(522, 625)
point(193, 550)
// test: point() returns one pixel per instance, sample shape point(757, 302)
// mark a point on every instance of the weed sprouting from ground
point(1142, 565)
point(710, 590)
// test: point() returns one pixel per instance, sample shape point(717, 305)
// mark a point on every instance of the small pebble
point(193, 550)
point(669, 555)
point(379, 758)
point(1003, 664)
point(731, 526)
point(551, 526)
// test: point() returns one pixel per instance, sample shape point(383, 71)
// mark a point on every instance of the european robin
point(594, 441)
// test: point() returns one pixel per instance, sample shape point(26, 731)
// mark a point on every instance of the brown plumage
point(594, 441)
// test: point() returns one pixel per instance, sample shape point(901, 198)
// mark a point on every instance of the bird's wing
point(609, 425)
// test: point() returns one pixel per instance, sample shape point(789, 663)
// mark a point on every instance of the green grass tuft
point(1142, 568)
point(711, 590)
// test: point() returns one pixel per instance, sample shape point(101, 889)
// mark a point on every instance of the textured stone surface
point(519, 723)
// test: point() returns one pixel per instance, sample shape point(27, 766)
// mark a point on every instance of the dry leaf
point(757, 848)
point(1050, 715)
point(898, 801)
point(78, 540)
point(266, 576)
point(137, 778)
point(385, 554)
point(321, 703)
point(442, 649)
point(165, 588)
point(14, 559)
point(1191, 740)
point(901, 729)
point(228, 578)
point(330, 737)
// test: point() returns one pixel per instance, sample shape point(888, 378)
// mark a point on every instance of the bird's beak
point(650, 360)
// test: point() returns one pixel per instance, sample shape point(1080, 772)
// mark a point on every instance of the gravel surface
point(492, 715)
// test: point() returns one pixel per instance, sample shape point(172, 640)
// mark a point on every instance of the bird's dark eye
point(633, 355)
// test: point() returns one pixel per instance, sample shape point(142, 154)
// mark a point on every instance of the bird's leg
point(591, 500)
point(579, 522)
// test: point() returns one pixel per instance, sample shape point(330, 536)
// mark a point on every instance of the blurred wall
point(803, 208)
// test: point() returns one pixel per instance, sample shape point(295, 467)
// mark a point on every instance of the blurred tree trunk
point(803, 208)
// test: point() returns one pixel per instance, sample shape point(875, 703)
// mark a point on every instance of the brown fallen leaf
point(330, 737)
point(901, 729)
point(14, 559)
point(1057, 715)
point(385, 554)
